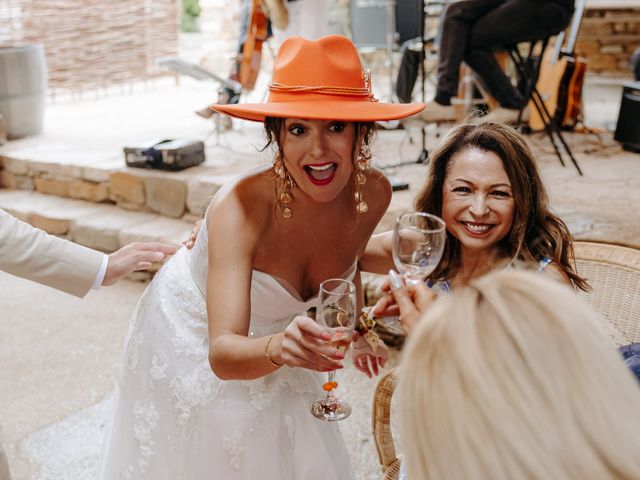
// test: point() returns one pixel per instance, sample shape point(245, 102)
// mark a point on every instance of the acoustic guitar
point(570, 93)
point(252, 48)
point(561, 80)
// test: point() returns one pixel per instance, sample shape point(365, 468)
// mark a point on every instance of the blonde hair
point(513, 377)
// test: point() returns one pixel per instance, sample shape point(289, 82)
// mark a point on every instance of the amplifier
point(628, 128)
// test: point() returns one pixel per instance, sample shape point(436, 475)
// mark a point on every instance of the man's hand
point(135, 256)
point(191, 241)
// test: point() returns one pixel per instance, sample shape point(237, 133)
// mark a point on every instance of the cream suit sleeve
point(33, 254)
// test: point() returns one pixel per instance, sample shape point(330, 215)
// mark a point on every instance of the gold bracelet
point(266, 352)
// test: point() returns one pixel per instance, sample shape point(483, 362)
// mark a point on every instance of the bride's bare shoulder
point(245, 199)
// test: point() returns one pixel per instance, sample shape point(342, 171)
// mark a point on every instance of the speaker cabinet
point(628, 128)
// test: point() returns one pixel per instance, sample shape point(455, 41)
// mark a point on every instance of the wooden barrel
point(23, 89)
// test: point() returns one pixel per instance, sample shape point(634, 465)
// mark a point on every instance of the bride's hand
point(366, 360)
point(305, 344)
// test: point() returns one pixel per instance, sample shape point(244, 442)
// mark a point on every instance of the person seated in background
point(513, 377)
point(472, 31)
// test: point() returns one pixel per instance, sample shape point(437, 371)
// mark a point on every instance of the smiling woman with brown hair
point(484, 183)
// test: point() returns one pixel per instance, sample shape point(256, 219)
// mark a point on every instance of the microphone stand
point(423, 157)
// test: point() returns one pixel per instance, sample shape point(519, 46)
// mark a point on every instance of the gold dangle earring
point(284, 186)
point(363, 161)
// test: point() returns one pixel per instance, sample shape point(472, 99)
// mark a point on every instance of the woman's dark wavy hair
point(536, 232)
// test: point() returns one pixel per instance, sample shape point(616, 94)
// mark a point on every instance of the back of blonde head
point(514, 378)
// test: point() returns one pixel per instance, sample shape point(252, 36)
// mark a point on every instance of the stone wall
point(171, 194)
point(93, 44)
point(608, 37)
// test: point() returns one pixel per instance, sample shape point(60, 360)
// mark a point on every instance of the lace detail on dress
point(131, 351)
point(302, 381)
point(145, 419)
point(157, 371)
point(182, 289)
point(233, 445)
point(126, 473)
point(195, 389)
point(261, 395)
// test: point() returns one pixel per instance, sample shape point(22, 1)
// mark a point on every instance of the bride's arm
point(233, 353)
point(377, 257)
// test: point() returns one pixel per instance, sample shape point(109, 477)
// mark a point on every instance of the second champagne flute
point(418, 243)
point(337, 312)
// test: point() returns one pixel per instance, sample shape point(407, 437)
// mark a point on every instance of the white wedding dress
point(173, 419)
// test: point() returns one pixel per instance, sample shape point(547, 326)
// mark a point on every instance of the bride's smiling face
point(318, 155)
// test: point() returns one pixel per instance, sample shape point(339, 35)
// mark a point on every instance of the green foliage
point(190, 13)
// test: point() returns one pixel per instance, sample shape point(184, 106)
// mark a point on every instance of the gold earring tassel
point(362, 166)
point(284, 188)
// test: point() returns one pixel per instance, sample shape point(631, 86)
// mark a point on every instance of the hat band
point(365, 91)
point(325, 90)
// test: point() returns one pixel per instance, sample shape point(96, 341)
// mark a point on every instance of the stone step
point(100, 176)
point(101, 226)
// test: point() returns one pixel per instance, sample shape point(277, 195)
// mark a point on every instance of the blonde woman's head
point(514, 378)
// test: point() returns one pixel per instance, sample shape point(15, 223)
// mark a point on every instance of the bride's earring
point(284, 186)
point(363, 160)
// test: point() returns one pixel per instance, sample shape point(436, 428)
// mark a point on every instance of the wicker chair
point(612, 271)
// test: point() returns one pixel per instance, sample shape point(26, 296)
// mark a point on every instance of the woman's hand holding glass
point(306, 344)
point(407, 301)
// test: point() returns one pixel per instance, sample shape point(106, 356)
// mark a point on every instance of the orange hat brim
point(356, 111)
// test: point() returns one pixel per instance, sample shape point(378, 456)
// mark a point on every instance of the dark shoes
point(205, 113)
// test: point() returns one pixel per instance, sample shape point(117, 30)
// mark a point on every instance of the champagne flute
point(418, 242)
point(417, 246)
point(337, 312)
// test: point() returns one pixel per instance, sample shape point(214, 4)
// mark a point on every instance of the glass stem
point(330, 377)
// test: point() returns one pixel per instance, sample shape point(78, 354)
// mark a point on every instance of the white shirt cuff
point(97, 283)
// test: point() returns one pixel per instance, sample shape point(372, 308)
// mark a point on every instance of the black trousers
point(472, 31)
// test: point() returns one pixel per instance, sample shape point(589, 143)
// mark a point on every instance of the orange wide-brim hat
point(322, 80)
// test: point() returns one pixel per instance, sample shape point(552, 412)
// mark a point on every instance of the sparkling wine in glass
point(418, 242)
point(337, 312)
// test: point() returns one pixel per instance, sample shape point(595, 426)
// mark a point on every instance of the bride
point(220, 364)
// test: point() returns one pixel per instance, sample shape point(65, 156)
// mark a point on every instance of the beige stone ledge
point(167, 196)
point(612, 4)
